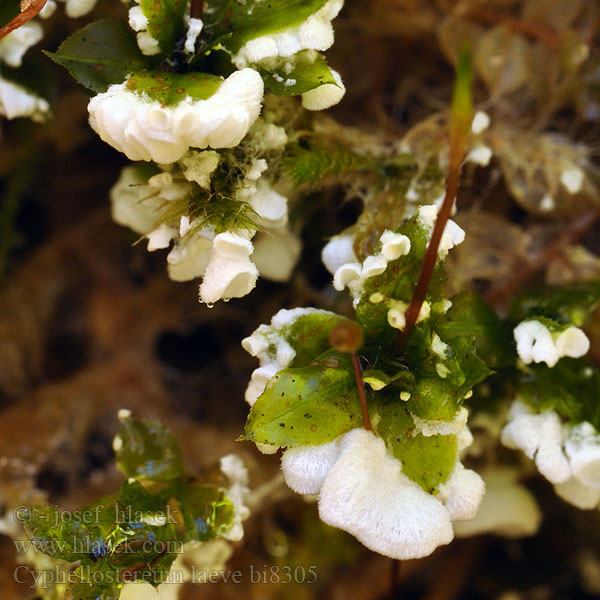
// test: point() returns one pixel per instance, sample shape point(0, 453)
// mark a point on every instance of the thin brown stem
point(360, 388)
point(197, 9)
point(529, 28)
point(30, 11)
point(460, 124)
point(418, 297)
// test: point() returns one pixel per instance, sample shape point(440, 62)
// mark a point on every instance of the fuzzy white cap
point(536, 343)
point(453, 235)
point(508, 509)
point(148, 45)
point(540, 437)
point(394, 245)
point(190, 255)
point(576, 493)
point(271, 136)
point(268, 204)
point(269, 345)
point(324, 96)
point(373, 266)
point(143, 129)
point(462, 493)
point(137, 19)
point(16, 101)
point(199, 166)
point(582, 446)
point(48, 10)
point(305, 468)
point(258, 381)
point(233, 467)
point(572, 342)
point(17, 42)
point(316, 33)
point(229, 273)
point(338, 251)
point(572, 179)
point(276, 254)
point(354, 274)
point(160, 237)
point(396, 315)
point(366, 494)
point(78, 8)
point(130, 208)
point(481, 121)
point(480, 155)
point(346, 274)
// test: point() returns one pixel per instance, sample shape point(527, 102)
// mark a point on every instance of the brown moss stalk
point(29, 9)
point(460, 124)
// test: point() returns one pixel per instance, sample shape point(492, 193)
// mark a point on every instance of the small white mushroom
point(337, 252)
point(578, 494)
point(394, 245)
point(305, 468)
point(229, 273)
point(536, 343)
point(508, 509)
point(366, 494)
point(462, 493)
point(540, 437)
point(324, 96)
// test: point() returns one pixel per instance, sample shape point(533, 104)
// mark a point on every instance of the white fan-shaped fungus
point(316, 33)
point(366, 494)
point(144, 129)
point(536, 343)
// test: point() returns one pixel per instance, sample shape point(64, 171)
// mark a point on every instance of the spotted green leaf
point(426, 460)
point(165, 21)
point(233, 23)
point(309, 336)
point(170, 88)
point(101, 54)
point(307, 405)
point(295, 75)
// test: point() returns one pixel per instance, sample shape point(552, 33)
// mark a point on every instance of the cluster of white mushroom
point(269, 344)
point(233, 467)
point(228, 261)
point(145, 129)
point(566, 455)
point(339, 258)
point(361, 489)
point(316, 33)
point(536, 343)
